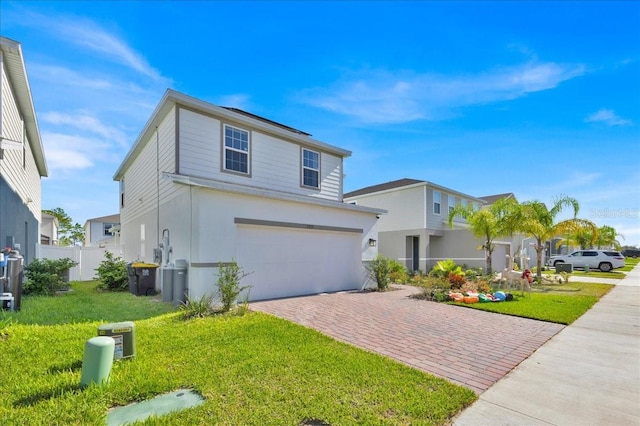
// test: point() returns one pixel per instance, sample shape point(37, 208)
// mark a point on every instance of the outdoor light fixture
point(372, 242)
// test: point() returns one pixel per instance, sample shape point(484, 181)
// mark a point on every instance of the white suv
point(605, 260)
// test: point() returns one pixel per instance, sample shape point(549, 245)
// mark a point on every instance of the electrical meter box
point(124, 336)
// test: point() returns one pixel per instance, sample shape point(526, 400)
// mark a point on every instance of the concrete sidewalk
point(587, 374)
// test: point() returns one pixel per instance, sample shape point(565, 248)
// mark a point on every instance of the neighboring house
point(416, 230)
point(102, 231)
point(221, 185)
point(490, 199)
point(22, 161)
point(49, 230)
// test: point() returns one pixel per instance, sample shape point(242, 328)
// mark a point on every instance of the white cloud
point(102, 93)
point(607, 117)
point(85, 33)
point(386, 97)
point(87, 123)
point(66, 152)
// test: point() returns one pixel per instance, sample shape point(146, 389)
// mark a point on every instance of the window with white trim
point(106, 229)
point(310, 168)
point(436, 202)
point(452, 202)
point(236, 150)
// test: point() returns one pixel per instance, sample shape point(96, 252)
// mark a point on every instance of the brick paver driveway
point(466, 346)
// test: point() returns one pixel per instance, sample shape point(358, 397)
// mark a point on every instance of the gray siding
point(274, 163)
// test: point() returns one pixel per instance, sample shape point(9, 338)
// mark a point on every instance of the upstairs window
point(310, 168)
point(452, 203)
point(236, 150)
point(436, 202)
point(106, 228)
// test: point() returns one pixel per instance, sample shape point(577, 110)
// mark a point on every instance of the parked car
point(605, 260)
point(631, 253)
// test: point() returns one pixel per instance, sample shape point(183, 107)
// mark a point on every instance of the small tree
point(538, 221)
point(68, 232)
point(498, 220)
point(380, 271)
point(229, 288)
point(112, 273)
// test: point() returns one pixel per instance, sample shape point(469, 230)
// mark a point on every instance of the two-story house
point(416, 229)
point(102, 231)
point(219, 185)
point(22, 161)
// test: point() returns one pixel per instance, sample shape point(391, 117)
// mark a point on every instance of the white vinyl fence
point(88, 259)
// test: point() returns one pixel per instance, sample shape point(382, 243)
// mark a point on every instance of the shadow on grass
point(314, 422)
point(34, 399)
point(554, 290)
point(65, 368)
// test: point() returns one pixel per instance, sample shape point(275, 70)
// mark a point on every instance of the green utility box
point(564, 267)
point(124, 336)
point(97, 362)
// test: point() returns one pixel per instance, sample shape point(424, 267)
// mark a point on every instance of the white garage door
point(292, 262)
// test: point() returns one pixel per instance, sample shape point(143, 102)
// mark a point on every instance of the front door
point(415, 258)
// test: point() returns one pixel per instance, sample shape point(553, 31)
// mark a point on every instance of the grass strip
point(561, 304)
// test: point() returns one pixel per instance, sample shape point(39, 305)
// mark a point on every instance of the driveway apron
point(466, 346)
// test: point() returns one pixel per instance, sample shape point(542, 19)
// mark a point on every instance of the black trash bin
point(145, 278)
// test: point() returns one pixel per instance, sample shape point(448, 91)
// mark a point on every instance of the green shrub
point(433, 288)
point(380, 271)
point(198, 307)
point(45, 276)
point(439, 296)
point(228, 284)
point(444, 267)
point(112, 273)
point(398, 273)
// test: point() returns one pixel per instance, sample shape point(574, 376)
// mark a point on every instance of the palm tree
point(488, 223)
point(583, 237)
point(607, 237)
point(539, 222)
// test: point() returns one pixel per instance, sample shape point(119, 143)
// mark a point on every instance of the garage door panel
point(288, 262)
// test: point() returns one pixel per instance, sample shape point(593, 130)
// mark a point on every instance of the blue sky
point(541, 99)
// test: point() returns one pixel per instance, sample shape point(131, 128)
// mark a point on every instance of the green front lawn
point(561, 304)
point(630, 263)
point(252, 369)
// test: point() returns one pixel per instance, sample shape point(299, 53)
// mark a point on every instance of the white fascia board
point(172, 98)
point(224, 113)
point(387, 191)
point(417, 185)
point(13, 62)
point(266, 193)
